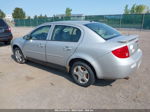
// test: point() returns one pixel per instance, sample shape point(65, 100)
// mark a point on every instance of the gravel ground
point(31, 85)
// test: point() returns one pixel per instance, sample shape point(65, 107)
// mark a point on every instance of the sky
point(86, 7)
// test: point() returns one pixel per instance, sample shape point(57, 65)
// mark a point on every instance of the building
point(73, 16)
point(9, 17)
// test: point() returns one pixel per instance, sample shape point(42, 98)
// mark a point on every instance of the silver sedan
point(87, 50)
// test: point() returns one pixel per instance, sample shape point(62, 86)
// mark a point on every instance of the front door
point(35, 47)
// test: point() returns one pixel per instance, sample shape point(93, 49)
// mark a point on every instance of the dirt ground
point(31, 85)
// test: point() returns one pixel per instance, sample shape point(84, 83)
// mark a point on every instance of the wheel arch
point(82, 60)
point(89, 61)
point(16, 46)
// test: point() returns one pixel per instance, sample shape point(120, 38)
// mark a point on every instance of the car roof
point(69, 22)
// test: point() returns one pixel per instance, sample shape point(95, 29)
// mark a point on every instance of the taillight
point(9, 29)
point(122, 52)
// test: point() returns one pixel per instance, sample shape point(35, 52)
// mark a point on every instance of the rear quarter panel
point(92, 49)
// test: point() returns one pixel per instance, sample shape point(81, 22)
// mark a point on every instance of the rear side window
point(66, 33)
point(103, 30)
point(2, 23)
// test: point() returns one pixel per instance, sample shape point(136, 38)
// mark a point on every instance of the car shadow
point(103, 82)
point(52, 70)
point(3, 45)
point(64, 74)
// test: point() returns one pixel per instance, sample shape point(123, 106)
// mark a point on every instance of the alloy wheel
point(81, 74)
point(18, 55)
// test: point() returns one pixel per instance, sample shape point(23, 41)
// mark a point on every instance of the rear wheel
point(82, 74)
point(19, 56)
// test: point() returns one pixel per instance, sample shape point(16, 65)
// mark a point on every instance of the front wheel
point(19, 56)
point(82, 74)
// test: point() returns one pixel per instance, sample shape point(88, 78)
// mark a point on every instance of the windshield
point(103, 30)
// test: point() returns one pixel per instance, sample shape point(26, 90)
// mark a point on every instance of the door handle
point(67, 48)
point(41, 45)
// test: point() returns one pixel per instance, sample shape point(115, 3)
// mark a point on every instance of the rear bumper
point(6, 38)
point(115, 68)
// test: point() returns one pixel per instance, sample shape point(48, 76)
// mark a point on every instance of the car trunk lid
point(131, 41)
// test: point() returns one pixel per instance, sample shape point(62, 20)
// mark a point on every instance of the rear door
point(64, 41)
point(35, 47)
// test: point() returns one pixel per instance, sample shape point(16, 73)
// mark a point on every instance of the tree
point(126, 10)
point(29, 17)
point(2, 14)
point(133, 9)
point(140, 9)
point(35, 17)
point(68, 11)
point(45, 16)
point(136, 9)
point(18, 13)
point(40, 17)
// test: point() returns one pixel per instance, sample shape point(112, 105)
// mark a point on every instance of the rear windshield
point(103, 30)
point(2, 23)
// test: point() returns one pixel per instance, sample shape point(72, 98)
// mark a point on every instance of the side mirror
point(27, 37)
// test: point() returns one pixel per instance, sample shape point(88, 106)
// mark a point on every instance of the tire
point(82, 74)
point(19, 57)
point(7, 43)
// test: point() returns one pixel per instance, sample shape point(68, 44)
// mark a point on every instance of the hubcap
point(18, 55)
point(81, 74)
